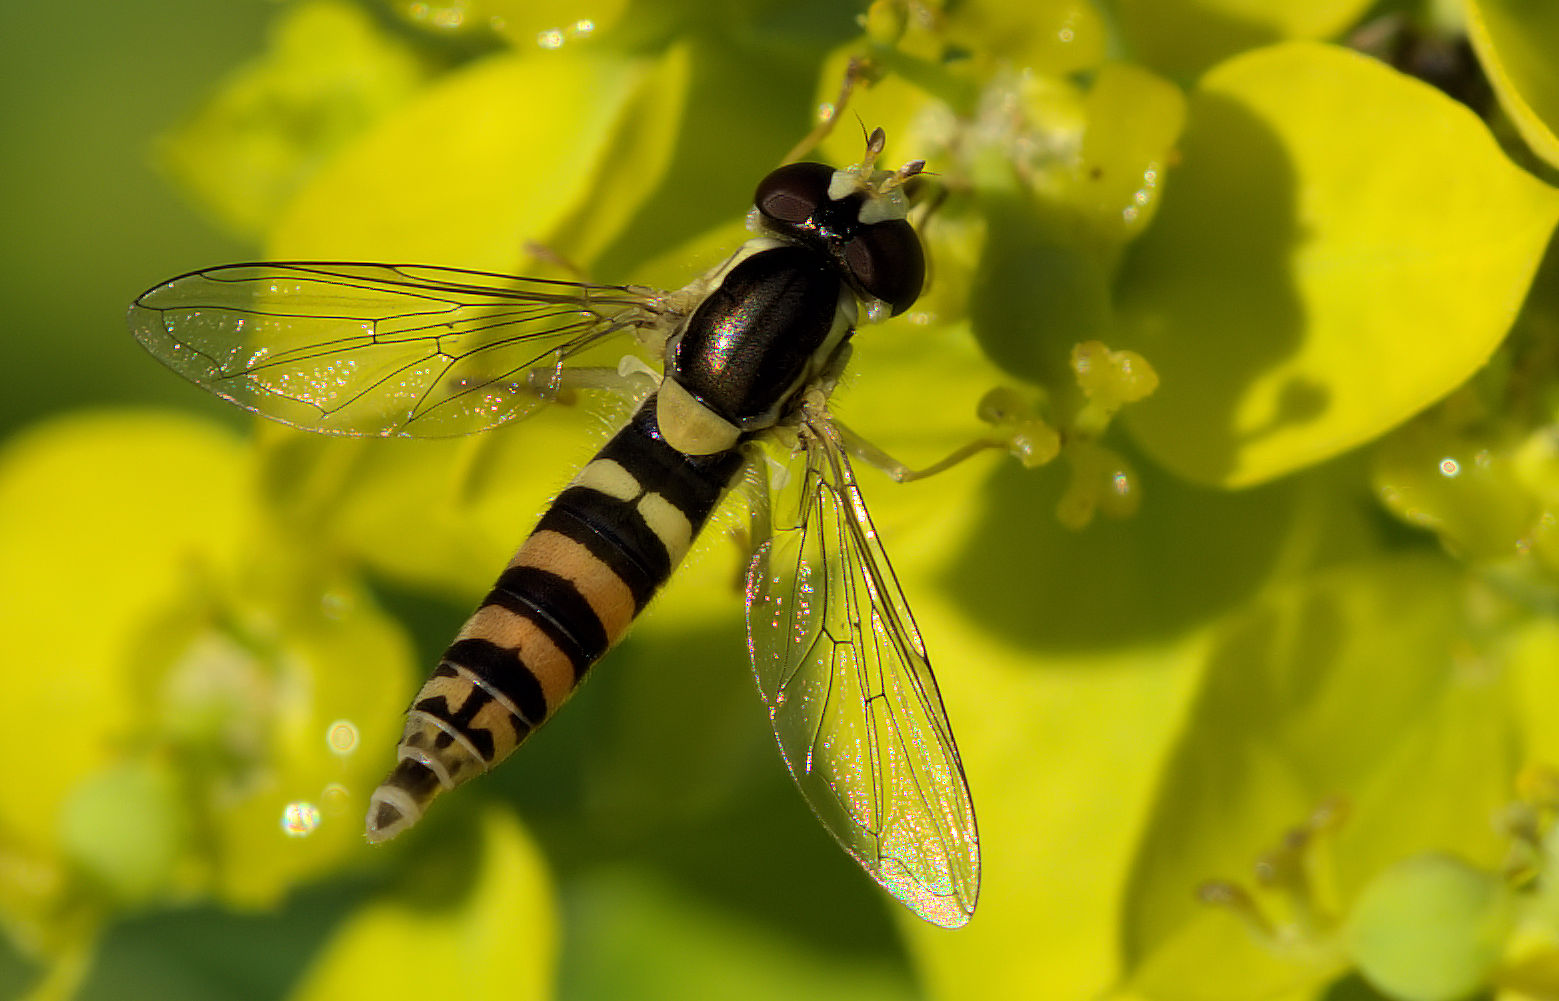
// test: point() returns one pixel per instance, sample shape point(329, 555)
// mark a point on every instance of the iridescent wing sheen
point(381, 349)
point(850, 693)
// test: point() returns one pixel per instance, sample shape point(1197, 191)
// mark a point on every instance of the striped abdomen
point(601, 551)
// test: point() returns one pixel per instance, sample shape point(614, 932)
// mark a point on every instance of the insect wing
point(850, 693)
point(379, 349)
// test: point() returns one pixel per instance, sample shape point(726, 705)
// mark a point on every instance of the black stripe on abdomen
point(601, 551)
point(615, 534)
point(691, 483)
point(558, 609)
point(503, 671)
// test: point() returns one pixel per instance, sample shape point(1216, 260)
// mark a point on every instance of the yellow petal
point(1341, 247)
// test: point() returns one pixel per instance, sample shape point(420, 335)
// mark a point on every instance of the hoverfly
point(751, 351)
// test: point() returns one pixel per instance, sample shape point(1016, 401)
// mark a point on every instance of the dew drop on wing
point(320, 386)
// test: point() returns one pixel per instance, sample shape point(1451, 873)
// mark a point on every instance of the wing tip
point(949, 908)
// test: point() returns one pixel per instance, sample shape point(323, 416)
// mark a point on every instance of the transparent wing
point(850, 693)
point(380, 349)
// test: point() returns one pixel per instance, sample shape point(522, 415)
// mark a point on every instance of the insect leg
point(631, 379)
point(754, 484)
point(547, 255)
point(899, 472)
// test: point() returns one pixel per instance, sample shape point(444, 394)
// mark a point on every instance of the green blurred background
point(89, 221)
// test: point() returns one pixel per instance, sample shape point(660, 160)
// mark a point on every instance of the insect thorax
point(778, 313)
point(762, 334)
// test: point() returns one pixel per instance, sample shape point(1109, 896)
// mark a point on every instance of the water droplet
point(342, 737)
point(452, 16)
point(1450, 468)
point(299, 819)
point(334, 605)
point(334, 799)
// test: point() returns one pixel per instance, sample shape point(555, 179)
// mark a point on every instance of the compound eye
point(791, 193)
point(888, 263)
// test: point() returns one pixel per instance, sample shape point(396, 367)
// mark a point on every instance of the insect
point(750, 351)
